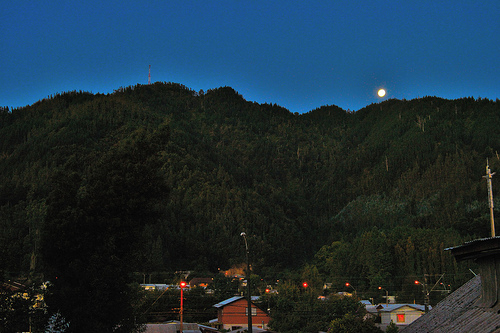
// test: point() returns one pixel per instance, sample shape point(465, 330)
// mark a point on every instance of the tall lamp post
point(249, 297)
point(386, 295)
point(426, 294)
point(182, 284)
point(350, 285)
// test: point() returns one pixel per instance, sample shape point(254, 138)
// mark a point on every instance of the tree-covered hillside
point(163, 178)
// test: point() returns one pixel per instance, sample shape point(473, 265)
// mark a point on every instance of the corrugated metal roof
point(478, 240)
point(393, 307)
point(233, 299)
point(458, 313)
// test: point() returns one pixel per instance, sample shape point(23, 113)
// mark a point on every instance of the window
point(401, 317)
point(254, 312)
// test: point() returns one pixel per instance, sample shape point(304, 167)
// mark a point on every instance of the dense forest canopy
point(374, 195)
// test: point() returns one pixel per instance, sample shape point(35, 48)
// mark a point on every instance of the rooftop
point(233, 299)
point(475, 306)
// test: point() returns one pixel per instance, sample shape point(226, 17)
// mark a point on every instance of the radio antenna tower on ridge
point(149, 76)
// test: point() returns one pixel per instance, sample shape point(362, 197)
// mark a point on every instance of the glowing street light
point(426, 294)
point(386, 295)
point(347, 284)
point(182, 284)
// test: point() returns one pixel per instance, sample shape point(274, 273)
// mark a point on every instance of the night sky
point(298, 54)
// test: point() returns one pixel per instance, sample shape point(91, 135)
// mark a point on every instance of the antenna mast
point(149, 76)
point(488, 177)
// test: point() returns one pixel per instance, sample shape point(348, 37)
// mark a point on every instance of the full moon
point(381, 93)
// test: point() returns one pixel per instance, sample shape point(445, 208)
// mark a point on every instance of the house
point(401, 314)
point(233, 314)
point(200, 282)
point(161, 286)
point(475, 306)
point(153, 286)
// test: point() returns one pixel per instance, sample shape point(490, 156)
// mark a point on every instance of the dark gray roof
point(476, 248)
point(458, 313)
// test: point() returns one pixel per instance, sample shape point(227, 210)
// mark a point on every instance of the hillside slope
point(194, 170)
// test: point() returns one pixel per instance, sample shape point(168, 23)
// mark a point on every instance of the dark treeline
point(373, 195)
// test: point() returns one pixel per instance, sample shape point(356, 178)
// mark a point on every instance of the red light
point(305, 285)
point(183, 284)
point(379, 288)
point(416, 282)
point(347, 284)
point(267, 290)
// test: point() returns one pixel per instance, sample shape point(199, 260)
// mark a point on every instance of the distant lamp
point(386, 295)
point(347, 284)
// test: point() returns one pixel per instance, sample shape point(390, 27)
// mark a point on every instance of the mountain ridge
point(229, 165)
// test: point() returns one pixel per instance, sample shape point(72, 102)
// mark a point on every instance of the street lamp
point(426, 294)
point(386, 295)
point(347, 284)
point(249, 297)
point(182, 284)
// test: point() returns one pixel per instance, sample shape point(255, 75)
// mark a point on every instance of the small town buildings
point(200, 282)
point(161, 286)
point(232, 314)
point(154, 286)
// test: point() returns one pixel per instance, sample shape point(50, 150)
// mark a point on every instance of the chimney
point(485, 252)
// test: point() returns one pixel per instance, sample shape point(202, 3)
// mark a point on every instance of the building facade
point(233, 314)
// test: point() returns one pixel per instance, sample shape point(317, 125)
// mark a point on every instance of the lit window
point(401, 318)
point(254, 312)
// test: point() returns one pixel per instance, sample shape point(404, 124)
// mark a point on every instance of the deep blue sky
point(298, 54)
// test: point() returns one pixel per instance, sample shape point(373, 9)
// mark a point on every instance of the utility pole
point(426, 290)
point(488, 177)
point(149, 76)
point(386, 295)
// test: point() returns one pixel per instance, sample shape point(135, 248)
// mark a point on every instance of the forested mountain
point(160, 178)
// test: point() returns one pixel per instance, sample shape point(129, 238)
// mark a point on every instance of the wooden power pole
point(488, 177)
